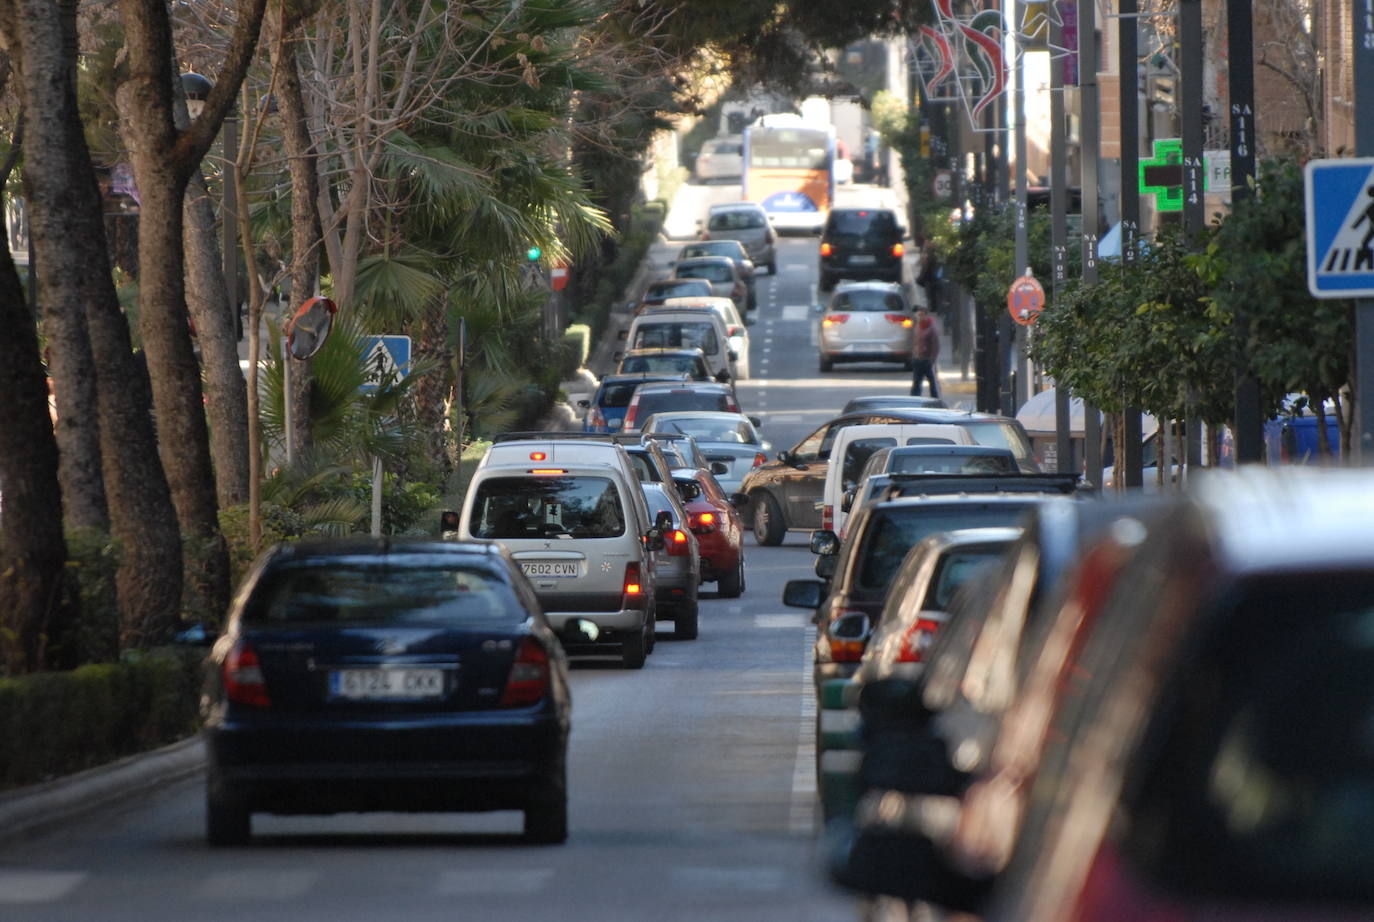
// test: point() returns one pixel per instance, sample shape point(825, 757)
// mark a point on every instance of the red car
point(715, 521)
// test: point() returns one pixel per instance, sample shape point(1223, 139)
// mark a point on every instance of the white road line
point(796, 311)
point(802, 818)
point(710, 881)
point(37, 886)
point(493, 880)
point(258, 885)
point(787, 619)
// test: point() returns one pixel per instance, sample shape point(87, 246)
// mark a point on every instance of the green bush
point(577, 340)
point(278, 524)
point(92, 562)
point(57, 723)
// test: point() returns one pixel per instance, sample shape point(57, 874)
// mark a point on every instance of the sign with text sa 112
point(387, 360)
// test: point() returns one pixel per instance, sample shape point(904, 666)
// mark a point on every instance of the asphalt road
point(692, 787)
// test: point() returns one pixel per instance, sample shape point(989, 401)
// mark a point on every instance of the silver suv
point(748, 223)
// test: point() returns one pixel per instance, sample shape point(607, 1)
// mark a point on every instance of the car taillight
point(826, 249)
point(917, 640)
point(831, 320)
point(242, 675)
point(703, 523)
point(630, 412)
point(596, 419)
point(677, 543)
point(759, 459)
point(528, 681)
point(898, 249)
point(901, 319)
point(848, 635)
point(828, 517)
point(632, 584)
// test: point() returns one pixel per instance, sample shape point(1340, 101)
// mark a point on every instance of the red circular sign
point(1025, 300)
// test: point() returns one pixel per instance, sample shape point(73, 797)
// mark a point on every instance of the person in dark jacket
point(925, 350)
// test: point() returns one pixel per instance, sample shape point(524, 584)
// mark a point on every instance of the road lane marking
point(785, 419)
point(802, 816)
point(786, 619)
point(796, 311)
point(493, 880)
point(37, 886)
point(258, 885)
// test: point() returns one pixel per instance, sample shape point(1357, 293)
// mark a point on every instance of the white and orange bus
point(788, 170)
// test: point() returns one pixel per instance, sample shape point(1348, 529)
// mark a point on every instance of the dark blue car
point(607, 407)
point(386, 675)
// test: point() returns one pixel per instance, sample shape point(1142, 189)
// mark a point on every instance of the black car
point(387, 675)
point(861, 243)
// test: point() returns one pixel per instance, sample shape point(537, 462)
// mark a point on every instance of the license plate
point(560, 569)
point(862, 260)
point(386, 684)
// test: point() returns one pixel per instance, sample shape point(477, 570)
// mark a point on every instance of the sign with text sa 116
point(387, 359)
point(1340, 227)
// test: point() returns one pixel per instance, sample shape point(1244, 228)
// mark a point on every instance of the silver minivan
point(748, 223)
point(574, 518)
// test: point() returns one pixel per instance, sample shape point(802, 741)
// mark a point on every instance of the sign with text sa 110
point(387, 359)
point(1340, 227)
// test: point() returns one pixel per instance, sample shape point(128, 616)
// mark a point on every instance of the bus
point(788, 169)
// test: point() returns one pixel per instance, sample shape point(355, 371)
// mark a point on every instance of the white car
point(721, 158)
point(727, 437)
point(736, 331)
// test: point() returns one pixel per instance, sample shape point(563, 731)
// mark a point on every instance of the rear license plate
point(386, 684)
point(862, 260)
point(561, 569)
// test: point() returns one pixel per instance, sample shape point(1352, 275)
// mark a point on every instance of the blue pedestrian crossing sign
point(387, 359)
point(1340, 227)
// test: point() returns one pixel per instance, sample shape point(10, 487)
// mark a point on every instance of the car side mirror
point(623, 334)
point(847, 501)
point(580, 631)
point(631, 306)
point(664, 521)
point(584, 404)
point(719, 467)
point(723, 376)
point(825, 542)
point(654, 539)
point(785, 456)
point(734, 356)
point(803, 593)
point(739, 500)
point(755, 420)
point(825, 566)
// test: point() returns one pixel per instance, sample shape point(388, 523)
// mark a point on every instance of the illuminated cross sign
point(1162, 175)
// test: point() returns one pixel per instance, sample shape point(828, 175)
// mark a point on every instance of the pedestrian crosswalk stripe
point(24, 886)
point(779, 621)
point(796, 311)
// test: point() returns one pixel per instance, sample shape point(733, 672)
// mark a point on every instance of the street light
point(197, 89)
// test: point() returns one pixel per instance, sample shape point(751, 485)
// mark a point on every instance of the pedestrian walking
point(925, 350)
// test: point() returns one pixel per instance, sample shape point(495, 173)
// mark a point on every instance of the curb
point(40, 807)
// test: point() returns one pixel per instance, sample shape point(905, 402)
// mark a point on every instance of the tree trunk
point(305, 219)
point(432, 391)
point(69, 235)
point(33, 550)
point(226, 394)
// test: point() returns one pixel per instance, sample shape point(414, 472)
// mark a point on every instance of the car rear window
point(676, 336)
point(649, 404)
point(710, 430)
point(677, 289)
point(999, 434)
point(955, 569)
point(735, 220)
point(409, 589)
point(867, 299)
point(547, 506)
point(951, 464)
point(618, 395)
point(861, 223)
point(893, 531)
point(646, 364)
point(714, 273)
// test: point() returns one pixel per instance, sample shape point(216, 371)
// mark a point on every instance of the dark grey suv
point(861, 243)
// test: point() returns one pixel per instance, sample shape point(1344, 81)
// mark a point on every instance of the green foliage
point(979, 254)
point(278, 523)
point(578, 339)
point(55, 723)
point(93, 559)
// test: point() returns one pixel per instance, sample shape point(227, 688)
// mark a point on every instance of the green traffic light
point(533, 253)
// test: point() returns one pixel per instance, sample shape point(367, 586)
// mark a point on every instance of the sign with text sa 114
point(387, 360)
point(1340, 227)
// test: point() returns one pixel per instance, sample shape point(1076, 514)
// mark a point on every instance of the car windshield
point(895, 530)
point(728, 248)
point(395, 589)
point(618, 395)
point(869, 225)
point(868, 299)
point(684, 364)
point(715, 272)
point(736, 432)
point(538, 506)
point(950, 464)
point(673, 335)
point(735, 220)
point(676, 289)
point(683, 399)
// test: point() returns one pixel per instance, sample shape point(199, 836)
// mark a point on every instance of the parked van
point(855, 444)
point(576, 521)
point(675, 329)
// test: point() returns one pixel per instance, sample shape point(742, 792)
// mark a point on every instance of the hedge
point(58, 723)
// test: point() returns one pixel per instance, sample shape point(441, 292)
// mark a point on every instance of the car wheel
point(228, 821)
point(773, 267)
point(769, 526)
point(731, 585)
point(685, 622)
point(826, 363)
point(651, 637)
point(634, 648)
point(546, 815)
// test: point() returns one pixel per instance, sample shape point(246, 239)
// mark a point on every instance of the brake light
point(730, 404)
point(630, 413)
point(596, 419)
point(538, 456)
point(677, 543)
point(828, 517)
point(831, 320)
point(826, 249)
point(917, 640)
point(901, 319)
point(632, 583)
point(528, 681)
point(549, 470)
point(847, 651)
point(702, 523)
point(242, 675)
point(734, 330)
point(759, 459)
point(898, 249)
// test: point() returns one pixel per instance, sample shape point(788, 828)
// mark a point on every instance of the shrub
point(93, 559)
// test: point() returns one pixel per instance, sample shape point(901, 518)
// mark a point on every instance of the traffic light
point(533, 254)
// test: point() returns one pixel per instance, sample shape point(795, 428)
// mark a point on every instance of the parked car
point(727, 281)
point(866, 322)
point(720, 158)
point(335, 687)
point(729, 248)
point(1214, 760)
point(698, 329)
point(576, 522)
point(725, 437)
point(784, 492)
point(861, 243)
point(663, 289)
point(714, 519)
point(688, 360)
point(606, 409)
point(882, 401)
point(748, 223)
point(651, 399)
point(677, 562)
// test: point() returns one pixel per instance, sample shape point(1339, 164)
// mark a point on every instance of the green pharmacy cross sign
point(1162, 175)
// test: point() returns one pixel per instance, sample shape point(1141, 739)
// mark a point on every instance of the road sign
point(558, 277)
point(309, 327)
point(943, 186)
point(1340, 227)
point(1025, 300)
point(388, 360)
